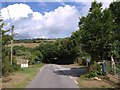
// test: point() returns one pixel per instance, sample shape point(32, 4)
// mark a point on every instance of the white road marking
point(76, 82)
point(67, 74)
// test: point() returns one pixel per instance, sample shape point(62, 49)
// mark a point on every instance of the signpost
point(24, 64)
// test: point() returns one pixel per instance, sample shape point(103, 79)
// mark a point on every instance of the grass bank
point(21, 78)
point(84, 82)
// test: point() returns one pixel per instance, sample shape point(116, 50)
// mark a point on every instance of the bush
point(15, 66)
point(5, 65)
point(83, 61)
point(7, 68)
point(95, 70)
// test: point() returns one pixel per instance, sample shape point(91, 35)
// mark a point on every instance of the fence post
point(113, 66)
point(104, 68)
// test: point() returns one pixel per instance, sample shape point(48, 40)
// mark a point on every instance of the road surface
point(54, 76)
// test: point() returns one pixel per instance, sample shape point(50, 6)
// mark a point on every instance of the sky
point(44, 19)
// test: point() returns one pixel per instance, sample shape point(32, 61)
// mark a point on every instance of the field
point(28, 45)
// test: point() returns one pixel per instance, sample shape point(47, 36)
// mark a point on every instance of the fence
point(115, 70)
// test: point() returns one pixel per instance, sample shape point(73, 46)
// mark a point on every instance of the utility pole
point(12, 44)
point(1, 19)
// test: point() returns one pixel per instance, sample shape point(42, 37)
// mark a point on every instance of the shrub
point(83, 61)
point(7, 68)
point(95, 70)
point(5, 65)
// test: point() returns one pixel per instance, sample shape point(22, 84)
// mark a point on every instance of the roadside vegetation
point(21, 78)
point(97, 38)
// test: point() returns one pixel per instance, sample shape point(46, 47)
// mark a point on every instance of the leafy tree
point(95, 31)
point(60, 51)
point(66, 51)
point(35, 56)
point(48, 51)
point(115, 46)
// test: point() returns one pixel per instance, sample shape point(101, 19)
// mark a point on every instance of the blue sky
point(44, 19)
point(45, 6)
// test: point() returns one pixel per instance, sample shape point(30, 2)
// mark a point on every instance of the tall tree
point(115, 10)
point(95, 31)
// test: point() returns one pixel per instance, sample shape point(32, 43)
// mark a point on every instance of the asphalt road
point(54, 76)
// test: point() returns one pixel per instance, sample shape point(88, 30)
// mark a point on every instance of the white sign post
point(24, 65)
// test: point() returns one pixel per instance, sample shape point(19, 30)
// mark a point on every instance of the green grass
point(28, 74)
point(83, 77)
point(80, 80)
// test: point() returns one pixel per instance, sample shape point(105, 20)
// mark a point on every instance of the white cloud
point(60, 22)
point(16, 11)
point(37, 16)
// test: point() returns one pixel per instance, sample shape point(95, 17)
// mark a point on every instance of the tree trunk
point(102, 54)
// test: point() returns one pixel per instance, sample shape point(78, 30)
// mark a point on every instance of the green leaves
point(115, 37)
point(5, 40)
point(97, 31)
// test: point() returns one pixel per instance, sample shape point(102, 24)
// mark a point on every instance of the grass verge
point(84, 82)
point(21, 78)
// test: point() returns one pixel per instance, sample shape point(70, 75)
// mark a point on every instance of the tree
point(35, 56)
point(66, 51)
point(6, 67)
point(95, 31)
point(61, 51)
point(48, 52)
point(5, 51)
point(115, 46)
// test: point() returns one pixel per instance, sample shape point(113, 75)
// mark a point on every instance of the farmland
point(27, 45)
point(31, 43)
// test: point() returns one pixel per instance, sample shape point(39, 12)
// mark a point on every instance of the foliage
point(48, 52)
point(96, 31)
point(6, 67)
point(95, 70)
point(20, 51)
point(32, 55)
point(66, 51)
point(35, 57)
point(96, 38)
point(60, 51)
point(115, 46)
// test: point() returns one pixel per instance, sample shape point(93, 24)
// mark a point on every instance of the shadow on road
point(75, 72)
